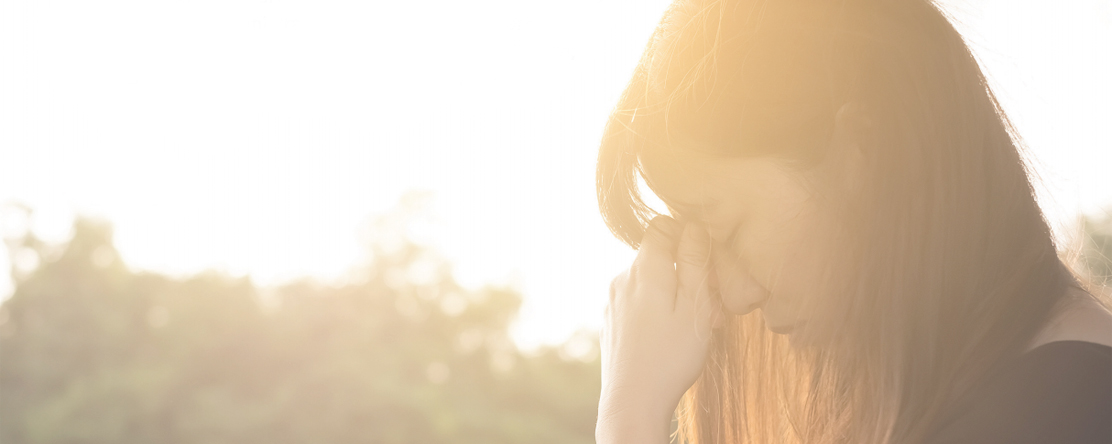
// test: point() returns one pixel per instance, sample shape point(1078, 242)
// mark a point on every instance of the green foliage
point(95, 353)
point(1097, 251)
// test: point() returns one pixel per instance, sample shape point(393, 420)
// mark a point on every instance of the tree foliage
point(1096, 253)
point(92, 352)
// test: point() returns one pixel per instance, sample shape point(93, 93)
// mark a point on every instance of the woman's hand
point(656, 332)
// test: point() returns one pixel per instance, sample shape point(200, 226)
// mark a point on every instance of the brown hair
point(952, 269)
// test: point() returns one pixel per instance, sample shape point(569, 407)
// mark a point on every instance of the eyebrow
point(680, 210)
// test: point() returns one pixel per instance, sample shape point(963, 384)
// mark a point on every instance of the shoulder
point(1082, 318)
point(1060, 392)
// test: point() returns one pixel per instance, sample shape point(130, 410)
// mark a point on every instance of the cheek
point(740, 292)
point(764, 250)
point(784, 255)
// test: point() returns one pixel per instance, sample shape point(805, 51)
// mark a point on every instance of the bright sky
point(257, 137)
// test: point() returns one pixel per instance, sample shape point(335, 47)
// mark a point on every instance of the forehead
point(694, 183)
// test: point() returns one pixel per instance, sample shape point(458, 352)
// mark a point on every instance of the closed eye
point(688, 213)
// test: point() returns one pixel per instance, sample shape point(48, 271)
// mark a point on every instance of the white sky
point(256, 137)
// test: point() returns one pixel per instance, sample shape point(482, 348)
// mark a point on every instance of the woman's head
point(859, 181)
point(773, 230)
point(734, 105)
point(750, 102)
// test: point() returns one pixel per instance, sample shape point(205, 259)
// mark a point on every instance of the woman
point(855, 254)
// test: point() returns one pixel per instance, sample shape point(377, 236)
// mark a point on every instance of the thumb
point(693, 259)
point(658, 246)
point(663, 231)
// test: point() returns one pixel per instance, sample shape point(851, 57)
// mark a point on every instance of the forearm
point(626, 420)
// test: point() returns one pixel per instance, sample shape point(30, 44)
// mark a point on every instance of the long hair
point(951, 267)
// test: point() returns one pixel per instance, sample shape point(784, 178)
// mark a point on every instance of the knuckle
point(618, 284)
point(694, 248)
point(693, 258)
point(633, 274)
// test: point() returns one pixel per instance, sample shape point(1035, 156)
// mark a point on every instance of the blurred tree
point(94, 353)
point(1096, 253)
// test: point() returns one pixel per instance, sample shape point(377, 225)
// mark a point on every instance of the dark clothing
point(1056, 393)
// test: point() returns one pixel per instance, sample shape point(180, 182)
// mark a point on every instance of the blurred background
point(291, 221)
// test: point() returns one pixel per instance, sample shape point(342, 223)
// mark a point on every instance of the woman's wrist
point(630, 418)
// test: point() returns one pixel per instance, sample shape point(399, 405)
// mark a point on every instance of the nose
point(740, 292)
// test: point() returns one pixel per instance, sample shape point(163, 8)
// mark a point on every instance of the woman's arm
point(656, 333)
point(627, 419)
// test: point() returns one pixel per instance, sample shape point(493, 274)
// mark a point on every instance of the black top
point(1056, 393)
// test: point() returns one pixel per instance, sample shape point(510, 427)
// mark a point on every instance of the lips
point(783, 329)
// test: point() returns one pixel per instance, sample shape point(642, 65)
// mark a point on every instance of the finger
point(617, 285)
point(717, 315)
point(707, 308)
point(694, 273)
point(654, 265)
point(693, 262)
point(662, 236)
point(694, 249)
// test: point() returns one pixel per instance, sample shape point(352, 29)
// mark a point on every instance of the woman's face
point(771, 235)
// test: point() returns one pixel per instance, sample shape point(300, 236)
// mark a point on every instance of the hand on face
point(658, 324)
point(739, 292)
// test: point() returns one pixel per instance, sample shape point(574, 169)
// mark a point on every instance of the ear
point(852, 125)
